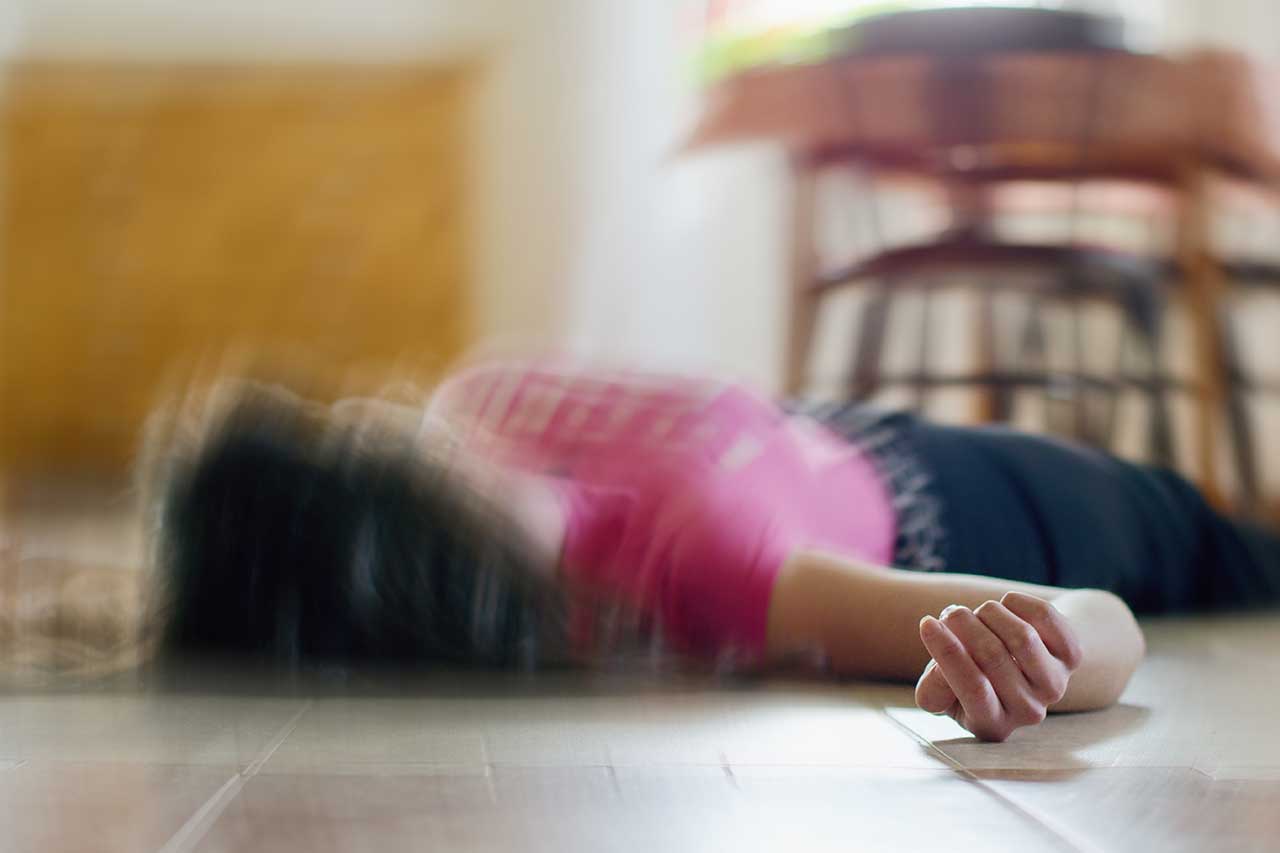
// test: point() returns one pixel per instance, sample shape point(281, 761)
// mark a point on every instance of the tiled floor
point(1189, 761)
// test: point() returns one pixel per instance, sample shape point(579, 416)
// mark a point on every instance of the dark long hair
point(293, 540)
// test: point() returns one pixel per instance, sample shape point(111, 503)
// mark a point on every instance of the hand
point(999, 667)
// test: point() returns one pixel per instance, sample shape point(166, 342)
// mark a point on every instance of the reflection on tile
point(1152, 808)
point(884, 809)
point(642, 809)
point(834, 733)
point(140, 728)
point(653, 729)
point(51, 807)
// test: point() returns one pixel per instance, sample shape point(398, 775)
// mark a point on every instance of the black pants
point(1042, 510)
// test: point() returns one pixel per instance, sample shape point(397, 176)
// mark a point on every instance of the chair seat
point(1090, 269)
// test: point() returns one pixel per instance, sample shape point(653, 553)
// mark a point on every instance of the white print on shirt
point(514, 405)
point(494, 414)
point(533, 414)
point(741, 453)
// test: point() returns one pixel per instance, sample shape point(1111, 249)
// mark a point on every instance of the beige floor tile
point(642, 809)
point(832, 730)
point(353, 731)
point(713, 727)
point(54, 807)
point(1232, 772)
point(885, 809)
point(140, 729)
point(1140, 809)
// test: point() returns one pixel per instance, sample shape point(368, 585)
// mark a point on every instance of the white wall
point(1252, 26)
point(677, 256)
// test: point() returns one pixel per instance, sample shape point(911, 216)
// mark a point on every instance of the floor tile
point(1135, 808)
point(884, 809)
point(140, 729)
point(807, 727)
point(384, 731)
point(641, 809)
point(1227, 772)
point(52, 807)
point(832, 731)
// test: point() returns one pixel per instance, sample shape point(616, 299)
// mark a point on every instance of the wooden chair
point(975, 100)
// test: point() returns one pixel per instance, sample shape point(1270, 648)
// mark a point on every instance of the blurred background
point(1064, 215)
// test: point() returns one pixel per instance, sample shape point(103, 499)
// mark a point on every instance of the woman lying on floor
point(537, 515)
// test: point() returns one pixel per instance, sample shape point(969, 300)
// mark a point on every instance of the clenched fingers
point(980, 710)
point(1054, 630)
point(1020, 706)
point(1045, 674)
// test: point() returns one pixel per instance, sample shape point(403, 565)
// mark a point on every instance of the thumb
point(933, 693)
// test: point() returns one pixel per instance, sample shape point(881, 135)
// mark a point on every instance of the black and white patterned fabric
point(881, 436)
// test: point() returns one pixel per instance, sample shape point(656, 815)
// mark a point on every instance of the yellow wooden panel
point(153, 216)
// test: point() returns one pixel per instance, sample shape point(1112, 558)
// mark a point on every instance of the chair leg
point(1238, 421)
point(924, 353)
point(993, 403)
point(1203, 288)
point(802, 323)
point(1032, 346)
point(865, 377)
point(1110, 413)
point(1146, 315)
point(1080, 420)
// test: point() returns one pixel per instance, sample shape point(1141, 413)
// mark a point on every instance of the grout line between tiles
point(613, 780)
point(1050, 826)
point(272, 745)
point(191, 832)
point(198, 824)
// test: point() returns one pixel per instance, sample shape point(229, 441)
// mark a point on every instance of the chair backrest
point(966, 89)
point(976, 31)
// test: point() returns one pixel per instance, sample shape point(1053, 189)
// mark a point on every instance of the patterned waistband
point(884, 438)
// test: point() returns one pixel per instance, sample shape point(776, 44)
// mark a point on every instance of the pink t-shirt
point(683, 496)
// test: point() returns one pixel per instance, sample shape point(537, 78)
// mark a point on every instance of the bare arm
point(867, 619)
